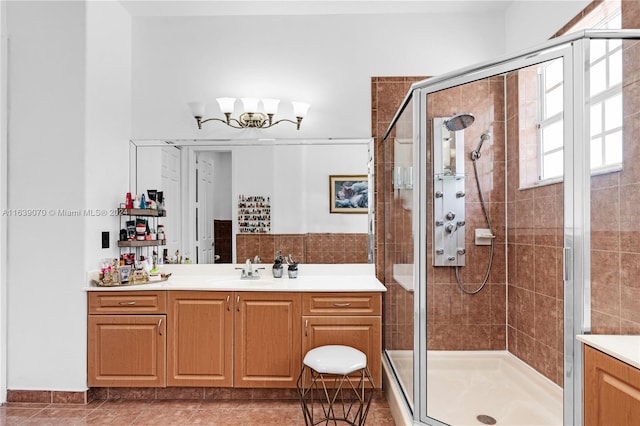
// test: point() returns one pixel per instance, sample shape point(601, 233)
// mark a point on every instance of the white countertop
point(225, 277)
point(625, 348)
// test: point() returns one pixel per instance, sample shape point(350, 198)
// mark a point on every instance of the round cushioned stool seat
point(335, 359)
point(335, 386)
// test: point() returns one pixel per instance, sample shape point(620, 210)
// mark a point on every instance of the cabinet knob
point(341, 305)
point(127, 303)
point(160, 326)
point(238, 303)
point(228, 306)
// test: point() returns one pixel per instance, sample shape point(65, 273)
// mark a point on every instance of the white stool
point(327, 379)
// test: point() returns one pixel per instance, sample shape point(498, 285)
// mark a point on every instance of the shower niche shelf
point(443, 176)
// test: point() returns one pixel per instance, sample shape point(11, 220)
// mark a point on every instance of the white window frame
point(545, 121)
point(600, 98)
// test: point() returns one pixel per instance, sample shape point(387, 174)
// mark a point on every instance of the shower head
point(476, 153)
point(459, 122)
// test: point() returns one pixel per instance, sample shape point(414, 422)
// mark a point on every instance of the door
point(502, 287)
point(170, 185)
point(200, 349)
point(126, 350)
point(205, 194)
point(267, 339)
point(360, 332)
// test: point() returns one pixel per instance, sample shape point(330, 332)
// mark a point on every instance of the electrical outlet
point(105, 239)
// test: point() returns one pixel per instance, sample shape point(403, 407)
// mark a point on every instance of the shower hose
point(486, 215)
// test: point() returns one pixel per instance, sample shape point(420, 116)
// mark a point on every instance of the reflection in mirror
point(228, 201)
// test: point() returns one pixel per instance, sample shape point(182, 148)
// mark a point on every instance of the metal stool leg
point(325, 396)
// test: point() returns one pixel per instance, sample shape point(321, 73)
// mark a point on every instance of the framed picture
point(125, 272)
point(348, 194)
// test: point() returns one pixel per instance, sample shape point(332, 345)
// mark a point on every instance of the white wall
point(301, 195)
point(108, 124)
point(529, 23)
point(327, 61)
point(68, 140)
point(3, 202)
point(46, 172)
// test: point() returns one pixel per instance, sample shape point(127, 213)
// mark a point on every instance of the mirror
point(229, 200)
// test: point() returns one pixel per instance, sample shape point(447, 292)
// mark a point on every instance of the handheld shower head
point(475, 154)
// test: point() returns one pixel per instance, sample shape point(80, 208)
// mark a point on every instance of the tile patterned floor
point(172, 412)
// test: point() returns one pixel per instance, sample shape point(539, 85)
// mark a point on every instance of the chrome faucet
point(249, 272)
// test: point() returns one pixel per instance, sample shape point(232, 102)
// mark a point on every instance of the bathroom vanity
point(611, 379)
point(206, 327)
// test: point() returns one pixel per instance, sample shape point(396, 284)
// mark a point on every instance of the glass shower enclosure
point(508, 219)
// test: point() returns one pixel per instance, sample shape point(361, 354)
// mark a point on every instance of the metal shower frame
point(574, 49)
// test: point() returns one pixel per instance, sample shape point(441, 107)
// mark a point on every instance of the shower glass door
point(492, 282)
point(399, 257)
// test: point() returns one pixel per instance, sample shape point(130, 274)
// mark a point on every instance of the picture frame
point(348, 194)
point(125, 273)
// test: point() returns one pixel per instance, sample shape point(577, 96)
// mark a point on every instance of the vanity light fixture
point(251, 118)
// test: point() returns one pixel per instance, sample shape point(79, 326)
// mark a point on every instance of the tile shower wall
point(458, 321)
point(615, 221)
point(535, 318)
point(534, 217)
point(305, 248)
point(393, 222)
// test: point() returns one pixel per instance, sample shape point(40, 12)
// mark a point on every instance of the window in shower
point(605, 89)
point(550, 84)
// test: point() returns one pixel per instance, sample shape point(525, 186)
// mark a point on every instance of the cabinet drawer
point(126, 302)
point(342, 303)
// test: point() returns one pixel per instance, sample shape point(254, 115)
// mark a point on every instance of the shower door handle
point(567, 263)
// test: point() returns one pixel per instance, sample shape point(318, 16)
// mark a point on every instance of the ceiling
point(306, 7)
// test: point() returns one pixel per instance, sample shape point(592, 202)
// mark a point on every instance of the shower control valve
point(450, 215)
point(440, 251)
point(460, 223)
point(439, 223)
point(451, 258)
point(460, 194)
point(461, 251)
point(450, 228)
point(439, 194)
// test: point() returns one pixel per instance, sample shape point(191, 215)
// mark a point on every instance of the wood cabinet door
point(126, 350)
point(267, 339)
point(200, 349)
point(360, 332)
point(611, 390)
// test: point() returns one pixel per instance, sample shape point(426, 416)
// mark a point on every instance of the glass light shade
point(226, 104)
point(250, 104)
point(197, 108)
point(270, 105)
point(300, 109)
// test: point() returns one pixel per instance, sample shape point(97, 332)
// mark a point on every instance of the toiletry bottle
point(143, 202)
point(277, 265)
point(129, 204)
